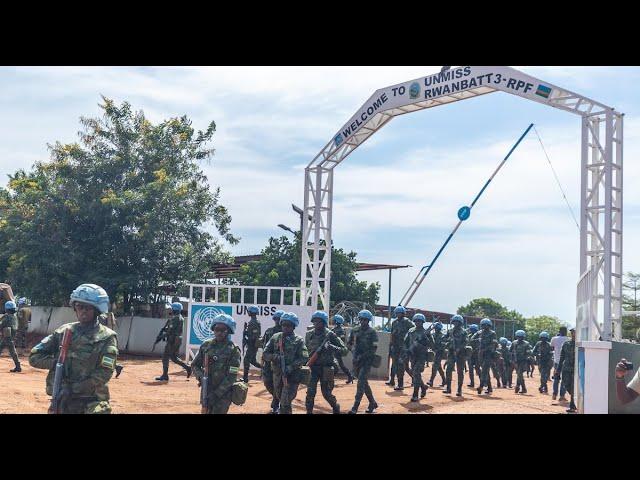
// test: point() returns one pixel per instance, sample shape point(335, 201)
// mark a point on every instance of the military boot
point(371, 407)
point(189, 370)
point(430, 383)
point(349, 378)
point(163, 378)
point(336, 409)
point(423, 391)
point(414, 397)
point(447, 389)
point(17, 369)
point(459, 392)
point(517, 388)
point(489, 389)
point(118, 370)
point(524, 389)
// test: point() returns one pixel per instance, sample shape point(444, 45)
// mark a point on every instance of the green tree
point(280, 266)
point(542, 323)
point(127, 207)
point(630, 302)
point(487, 307)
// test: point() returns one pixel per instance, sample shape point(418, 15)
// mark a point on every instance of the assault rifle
point(56, 397)
point(314, 357)
point(283, 364)
point(204, 392)
point(245, 340)
point(160, 337)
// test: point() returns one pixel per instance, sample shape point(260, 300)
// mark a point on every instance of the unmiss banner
point(201, 317)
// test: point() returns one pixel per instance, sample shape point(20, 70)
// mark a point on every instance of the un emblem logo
point(202, 320)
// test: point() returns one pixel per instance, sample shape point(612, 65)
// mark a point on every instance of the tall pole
point(389, 309)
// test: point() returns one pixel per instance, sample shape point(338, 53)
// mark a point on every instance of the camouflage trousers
point(458, 363)
point(545, 372)
point(21, 337)
point(285, 394)
point(219, 405)
point(267, 379)
point(339, 364)
point(473, 366)
point(497, 372)
point(250, 359)
point(171, 353)
point(486, 364)
point(8, 343)
point(521, 368)
point(507, 373)
point(567, 381)
point(86, 406)
point(417, 367)
point(398, 367)
point(324, 375)
point(363, 387)
point(437, 367)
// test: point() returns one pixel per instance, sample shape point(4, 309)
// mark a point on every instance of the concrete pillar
point(592, 379)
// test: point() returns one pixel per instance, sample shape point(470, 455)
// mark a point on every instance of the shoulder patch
point(112, 350)
point(233, 369)
point(108, 362)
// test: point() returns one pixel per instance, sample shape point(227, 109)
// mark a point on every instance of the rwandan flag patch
point(233, 369)
point(108, 362)
point(543, 91)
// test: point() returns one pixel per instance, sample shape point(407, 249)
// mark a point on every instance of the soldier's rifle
point(314, 357)
point(283, 363)
point(56, 396)
point(204, 392)
point(245, 340)
point(161, 336)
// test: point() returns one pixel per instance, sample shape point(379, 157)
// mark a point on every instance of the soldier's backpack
point(239, 393)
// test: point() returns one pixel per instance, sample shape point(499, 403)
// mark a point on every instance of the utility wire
point(575, 220)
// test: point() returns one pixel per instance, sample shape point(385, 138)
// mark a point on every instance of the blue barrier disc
point(464, 213)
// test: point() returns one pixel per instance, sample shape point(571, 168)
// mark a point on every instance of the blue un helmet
point(22, 301)
point(437, 326)
point(503, 341)
point(290, 317)
point(176, 306)
point(418, 317)
point(473, 327)
point(322, 316)
point(544, 335)
point(485, 321)
point(253, 310)
point(225, 320)
point(93, 295)
point(399, 309)
point(366, 314)
point(9, 305)
point(520, 334)
point(278, 314)
point(457, 318)
point(338, 319)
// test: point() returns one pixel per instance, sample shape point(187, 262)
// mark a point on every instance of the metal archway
point(601, 179)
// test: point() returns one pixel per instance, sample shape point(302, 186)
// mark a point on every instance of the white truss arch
point(601, 180)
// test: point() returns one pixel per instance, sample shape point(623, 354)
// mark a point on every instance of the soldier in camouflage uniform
point(456, 342)
point(267, 372)
point(322, 369)
point(438, 350)
point(338, 363)
point(566, 366)
point(474, 342)
point(8, 328)
point(521, 351)
point(24, 319)
point(416, 343)
point(507, 364)
point(363, 342)
point(251, 340)
point(173, 336)
point(224, 363)
point(399, 329)
point(542, 350)
point(91, 356)
point(295, 356)
point(488, 343)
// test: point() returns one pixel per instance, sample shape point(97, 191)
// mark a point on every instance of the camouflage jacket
point(543, 351)
point(521, 350)
point(313, 340)
point(24, 317)
point(567, 357)
point(506, 355)
point(456, 341)
point(399, 329)
point(173, 327)
point(487, 343)
point(270, 332)
point(295, 352)
point(8, 321)
point(224, 361)
point(439, 345)
point(90, 360)
point(474, 342)
point(252, 333)
point(339, 331)
point(416, 343)
point(363, 343)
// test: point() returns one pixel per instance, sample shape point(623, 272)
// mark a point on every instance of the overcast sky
point(396, 197)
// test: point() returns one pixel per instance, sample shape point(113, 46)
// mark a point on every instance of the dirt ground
point(136, 391)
